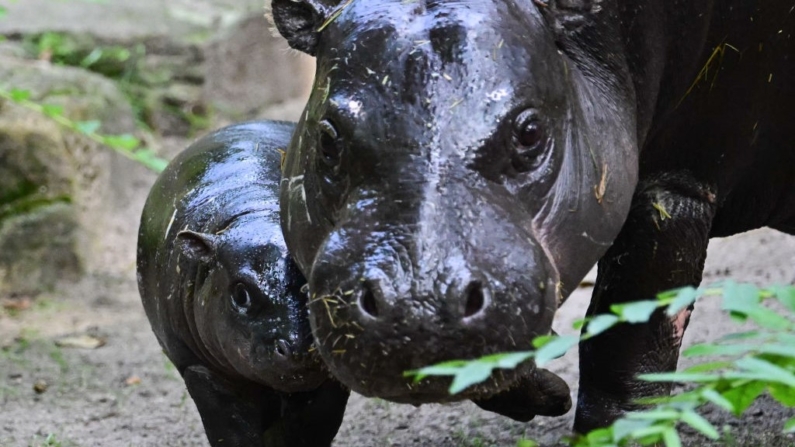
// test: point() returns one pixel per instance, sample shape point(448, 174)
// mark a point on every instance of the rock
point(57, 188)
point(249, 69)
point(125, 21)
point(38, 248)
point(40, 386)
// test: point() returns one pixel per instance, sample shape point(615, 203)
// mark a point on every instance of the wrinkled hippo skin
point(460, 166)
point(224, 297)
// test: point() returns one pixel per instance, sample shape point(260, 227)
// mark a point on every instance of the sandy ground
point(126, 393)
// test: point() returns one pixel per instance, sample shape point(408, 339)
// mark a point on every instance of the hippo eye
point(241, 299)
point(330, 148)
point(529, 137)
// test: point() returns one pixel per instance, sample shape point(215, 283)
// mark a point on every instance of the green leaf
point(702, 425)
point(3, 12)
point(766, 370)
point(784, 337)
point(740, 298)
point(600, 323)
point(679, 377)
point(655, 414)
point(448, 368)
point(555, 349)
point(671, 438)
point(471, 374)
point(19, 95)
point(509, 360)
point(777, 349)
point(52, 110)
point(685, 297)
point(600, 436)
point(707, 366)
point(578, 324)
point(717, 399)
point(125, 142)
point(88, 127)
point(741, 336)
point(654, 430)
point(782, 393)
point(789, 426)
point(92, 58)
point(636, 312)
point(541, 340)
point(709, 349)
point(741, 397)
point(768, 318)
point(526, 443)
point(150, 159)
point(624, 427)
point(786, 295)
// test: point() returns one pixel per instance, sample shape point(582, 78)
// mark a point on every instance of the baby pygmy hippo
point(223, 295)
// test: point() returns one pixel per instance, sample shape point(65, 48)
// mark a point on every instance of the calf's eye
point(241, 298)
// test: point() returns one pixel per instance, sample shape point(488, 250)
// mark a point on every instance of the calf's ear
point(299, 21)
point(197, 246)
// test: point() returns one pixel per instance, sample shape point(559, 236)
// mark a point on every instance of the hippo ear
point(197, 246)
point(298, 21)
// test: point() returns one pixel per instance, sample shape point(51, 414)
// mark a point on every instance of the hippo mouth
point(371, 355)
point(436, 389)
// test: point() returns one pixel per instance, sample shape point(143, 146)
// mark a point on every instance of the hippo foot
point(236, 415)
point(542, 393)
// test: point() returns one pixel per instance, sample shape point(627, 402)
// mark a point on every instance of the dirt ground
point(126, 393)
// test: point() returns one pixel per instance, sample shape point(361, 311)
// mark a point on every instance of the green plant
point(127, 145)
point(749, 363)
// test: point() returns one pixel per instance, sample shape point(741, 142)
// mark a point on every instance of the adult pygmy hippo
point(223, 295)
point(461, 165)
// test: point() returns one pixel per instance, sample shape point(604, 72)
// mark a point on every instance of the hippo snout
point(376, 319)
point(463, 301)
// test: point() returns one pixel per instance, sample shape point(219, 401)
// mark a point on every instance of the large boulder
point(59, 191)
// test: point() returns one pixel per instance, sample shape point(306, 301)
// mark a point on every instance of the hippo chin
point(462, 164)
point(224, 296)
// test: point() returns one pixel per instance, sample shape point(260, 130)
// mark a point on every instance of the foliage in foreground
point(733, 372)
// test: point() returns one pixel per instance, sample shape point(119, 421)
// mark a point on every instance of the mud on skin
point(224, 297)
point(461, 165)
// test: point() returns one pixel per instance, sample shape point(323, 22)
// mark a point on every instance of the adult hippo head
point(458, 169)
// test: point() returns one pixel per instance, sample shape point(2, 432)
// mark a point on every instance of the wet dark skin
point(224, 297)
point(462, 164)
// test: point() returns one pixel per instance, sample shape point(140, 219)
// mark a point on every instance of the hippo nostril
point(475, 299)
point(282, 348)
point(367, 302)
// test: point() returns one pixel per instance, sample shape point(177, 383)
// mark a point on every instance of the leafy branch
point(125, 144)
point(750, 363)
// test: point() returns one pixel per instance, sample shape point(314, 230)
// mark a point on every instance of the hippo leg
point(310, 419)
point(257, 416)
point(662, 246)
point(543, 393)
point(231, 416)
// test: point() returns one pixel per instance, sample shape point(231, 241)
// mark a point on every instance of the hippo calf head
point(248, 311)
point(456, 172)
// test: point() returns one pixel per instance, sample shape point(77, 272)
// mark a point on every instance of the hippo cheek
point(378, 321)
